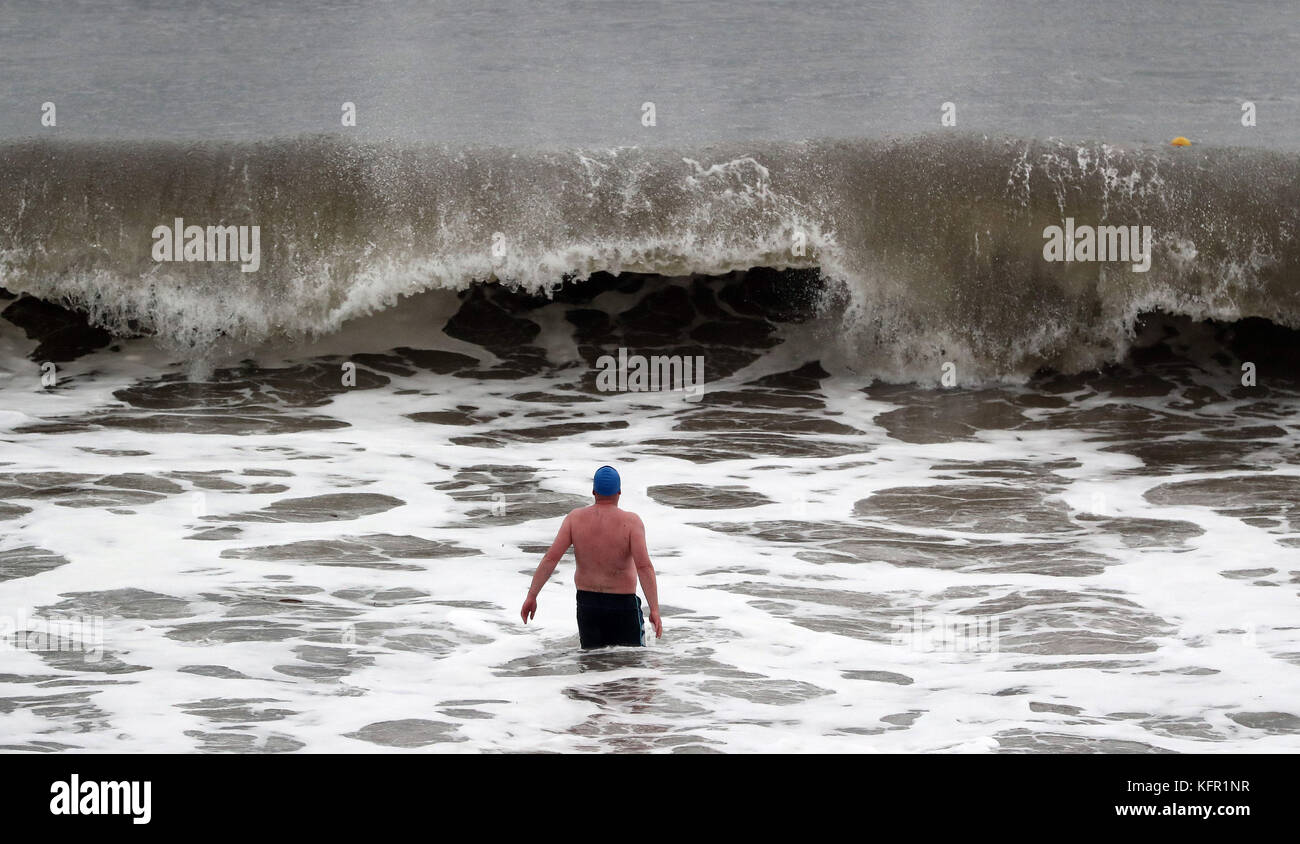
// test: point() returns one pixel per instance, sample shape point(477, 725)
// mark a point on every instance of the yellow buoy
point(1180, 141)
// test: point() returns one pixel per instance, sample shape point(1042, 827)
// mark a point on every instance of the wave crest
point(935, 243)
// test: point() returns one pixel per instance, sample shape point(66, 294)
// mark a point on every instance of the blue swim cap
point(606, 481)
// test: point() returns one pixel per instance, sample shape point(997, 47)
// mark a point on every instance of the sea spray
point(935, 242)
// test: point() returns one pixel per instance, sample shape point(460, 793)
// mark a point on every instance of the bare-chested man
point(609, 545)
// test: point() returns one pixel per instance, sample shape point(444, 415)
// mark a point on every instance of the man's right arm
point(563, 540)
point(645, 572)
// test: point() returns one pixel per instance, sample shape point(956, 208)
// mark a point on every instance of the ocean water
point(933, 494)
point(575, 73)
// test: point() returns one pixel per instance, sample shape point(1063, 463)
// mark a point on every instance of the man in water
point(609, 545)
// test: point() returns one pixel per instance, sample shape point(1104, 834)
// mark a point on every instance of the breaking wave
point(919, 250)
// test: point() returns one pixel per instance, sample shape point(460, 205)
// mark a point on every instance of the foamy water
point(282, 563)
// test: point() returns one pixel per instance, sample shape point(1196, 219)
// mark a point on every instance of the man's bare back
point(610, 548)
point(605, 543)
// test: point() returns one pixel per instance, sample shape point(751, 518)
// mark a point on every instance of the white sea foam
point(780, 641)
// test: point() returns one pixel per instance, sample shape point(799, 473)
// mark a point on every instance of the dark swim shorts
point(606, 619)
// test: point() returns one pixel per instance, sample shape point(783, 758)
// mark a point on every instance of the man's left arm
point(645, 572)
